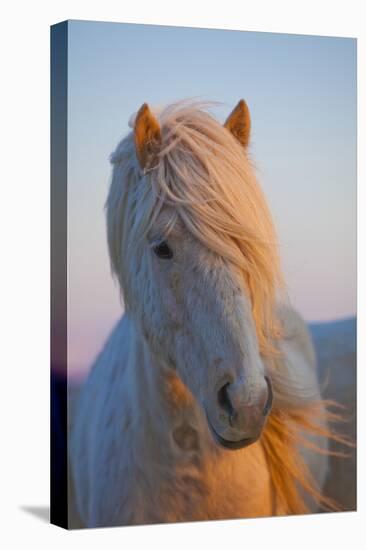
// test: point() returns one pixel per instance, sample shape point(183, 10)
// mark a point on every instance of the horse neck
point(171, 438)
point(162, 399)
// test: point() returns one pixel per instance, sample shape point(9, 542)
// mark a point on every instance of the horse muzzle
point(241, 424)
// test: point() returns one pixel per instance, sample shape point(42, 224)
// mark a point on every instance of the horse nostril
point(225, 403)
point(268, 405)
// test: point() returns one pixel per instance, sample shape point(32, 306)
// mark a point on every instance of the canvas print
point(203, 336)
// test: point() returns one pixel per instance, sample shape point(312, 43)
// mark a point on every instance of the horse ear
point(238, 123)
point(147, 137)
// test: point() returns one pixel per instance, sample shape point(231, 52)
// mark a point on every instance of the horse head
point(193, 246)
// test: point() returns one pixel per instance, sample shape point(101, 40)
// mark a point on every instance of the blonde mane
point(206, 174)
point(208, 178)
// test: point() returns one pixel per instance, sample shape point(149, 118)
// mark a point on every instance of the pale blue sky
point(301, 91)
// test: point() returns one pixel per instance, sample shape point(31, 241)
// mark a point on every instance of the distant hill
point(335, 345)
point(336, 349)
point(335, 337)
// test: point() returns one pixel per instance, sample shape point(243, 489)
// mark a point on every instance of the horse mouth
point(229, 444)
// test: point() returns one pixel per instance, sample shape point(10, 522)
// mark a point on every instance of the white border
point(25, 268)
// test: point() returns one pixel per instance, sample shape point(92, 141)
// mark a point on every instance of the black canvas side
point(59, 492)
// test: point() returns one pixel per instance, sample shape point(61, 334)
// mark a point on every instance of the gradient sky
point(301, 91)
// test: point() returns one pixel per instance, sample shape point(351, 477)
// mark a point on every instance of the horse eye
point(163, 251)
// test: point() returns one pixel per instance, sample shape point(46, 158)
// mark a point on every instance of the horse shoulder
point(296, 336)
point(92, 439)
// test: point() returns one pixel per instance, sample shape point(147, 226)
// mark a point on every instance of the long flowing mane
point(206, 174)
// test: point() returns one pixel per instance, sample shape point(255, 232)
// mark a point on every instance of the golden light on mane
point(286, 431)
point(206, 174)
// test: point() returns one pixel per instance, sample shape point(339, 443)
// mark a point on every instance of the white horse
point(204, 403)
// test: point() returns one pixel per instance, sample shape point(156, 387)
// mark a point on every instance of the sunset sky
point(301, 91)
